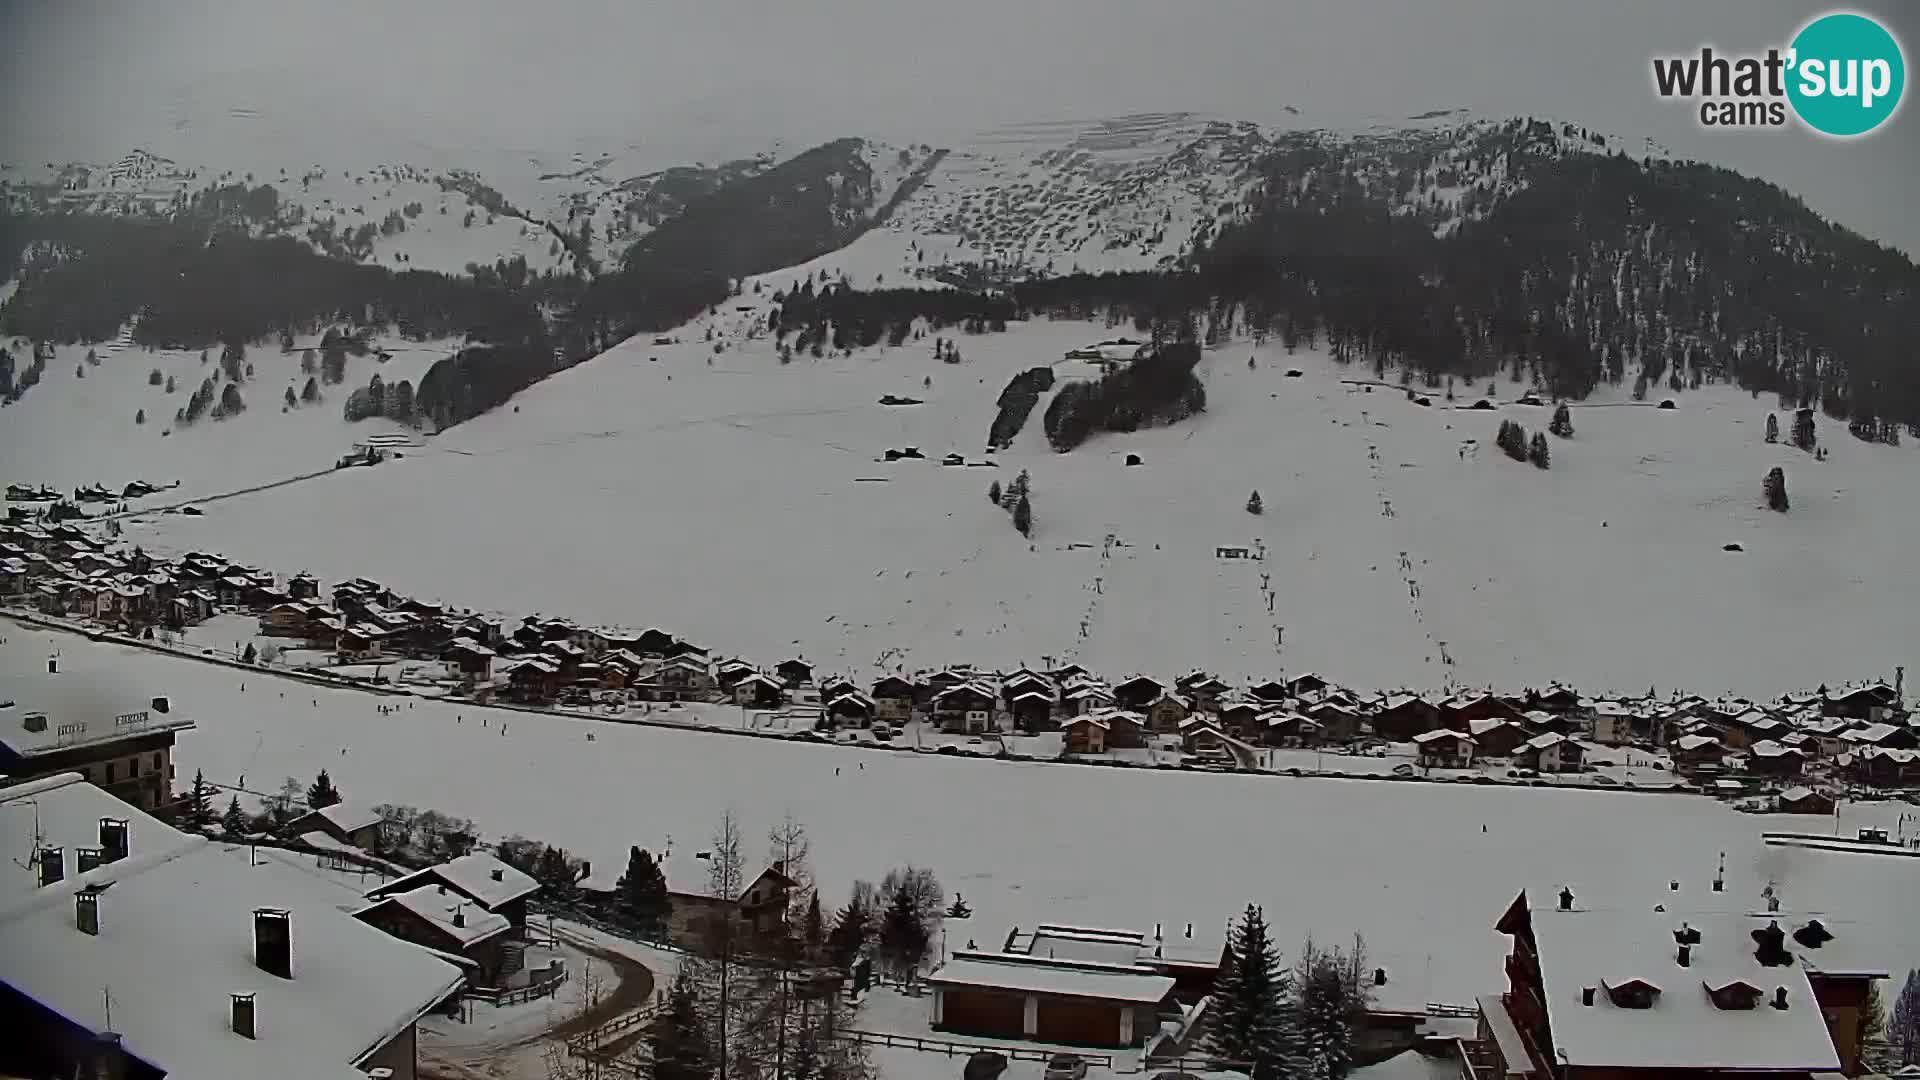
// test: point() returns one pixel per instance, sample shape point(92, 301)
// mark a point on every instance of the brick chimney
point(53, 865)
point(242, 1011)
point(114, 838)
point(86, 911)
point(273, 941)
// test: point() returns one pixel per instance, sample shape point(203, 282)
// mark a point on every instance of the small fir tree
point(321, 793)
point(993, 492)
point(1023, 516)
point(234, 821)
point(1537, 451)
point(1775, 488)
point(1562, 425)
point(1773, 428)
point(199, 809)
point(1254, 506)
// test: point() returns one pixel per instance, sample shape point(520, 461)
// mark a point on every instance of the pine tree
point(904, 936)
point(1562, 425)
point(1254, 506)
point(1804, 437)
point(993, 492)
point(1773, 428)
point(1253, 1021)
point(1872, 1022)
point(1903, 1024)
point(170, 384)
point(1015, 491)
point(290, 402)
point(1537, 451)
point(1775, 488)
point(813, 927)
point(1331, 1008)
point(643, 894)
point(676, 1035)
point(849, 934)
point(310, 392)
point(234, 821)
point(322, 793)
point(199, 809)
point(250, 655)
point(140, 416)
point(1023, 516)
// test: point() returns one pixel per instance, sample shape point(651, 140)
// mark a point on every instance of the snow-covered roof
point(176, 924)
point(1102, 981)
point(486, 879)
point(1547, 741)
point(1870, 733)
point(1695, 742)
point(1767, 748)
point(345, 816)
point(440, 907)
point(1439, 734)
point(103, 707)
point(1488, 723)
point(1682, 1028)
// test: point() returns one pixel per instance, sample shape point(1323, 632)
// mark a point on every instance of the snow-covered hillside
point(708, 488)
point(114, 424)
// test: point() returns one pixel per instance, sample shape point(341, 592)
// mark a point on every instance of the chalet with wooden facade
point(1635, 991)
point(352, 824)
point(448, 923)
point(488, 883)
point(1444, 749)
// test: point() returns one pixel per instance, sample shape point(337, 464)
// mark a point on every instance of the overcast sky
point(442, 79)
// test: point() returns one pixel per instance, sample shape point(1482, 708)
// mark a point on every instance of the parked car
point(985, 1065)
point(1605, 781)
point(1066, 1067)
point(1403, 770)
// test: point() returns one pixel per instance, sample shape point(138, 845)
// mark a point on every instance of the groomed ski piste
point(1422, 870)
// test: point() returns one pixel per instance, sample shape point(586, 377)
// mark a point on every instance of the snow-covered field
point(738, 501)
point(70, 431)
point(1422, 869)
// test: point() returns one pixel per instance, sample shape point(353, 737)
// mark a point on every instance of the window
point(156, 763)
point(110, 771)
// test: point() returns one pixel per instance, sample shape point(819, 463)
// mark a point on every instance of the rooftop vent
point(35, 722)
point(1813, 935)
point(88, 858)
point(273, 941)
point(1586, 995)
point(113, 838)
point(1772, 949)
point(243, 1015)
point(1379, 976)
point(1780, 997)
point(1566, 899)
point(53, 665)
point(53, 865)
point(86, 911)
point(161, 705)
point(497, 875)
point(1685, 956)
point(1688, 934)
point(459, 915)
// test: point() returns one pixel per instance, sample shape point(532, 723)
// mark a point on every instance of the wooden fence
point(953, 1049)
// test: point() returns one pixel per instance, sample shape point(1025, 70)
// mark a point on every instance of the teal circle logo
point(1848, 75)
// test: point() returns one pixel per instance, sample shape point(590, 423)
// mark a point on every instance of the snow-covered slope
point(708, 488)
point(75, 430)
